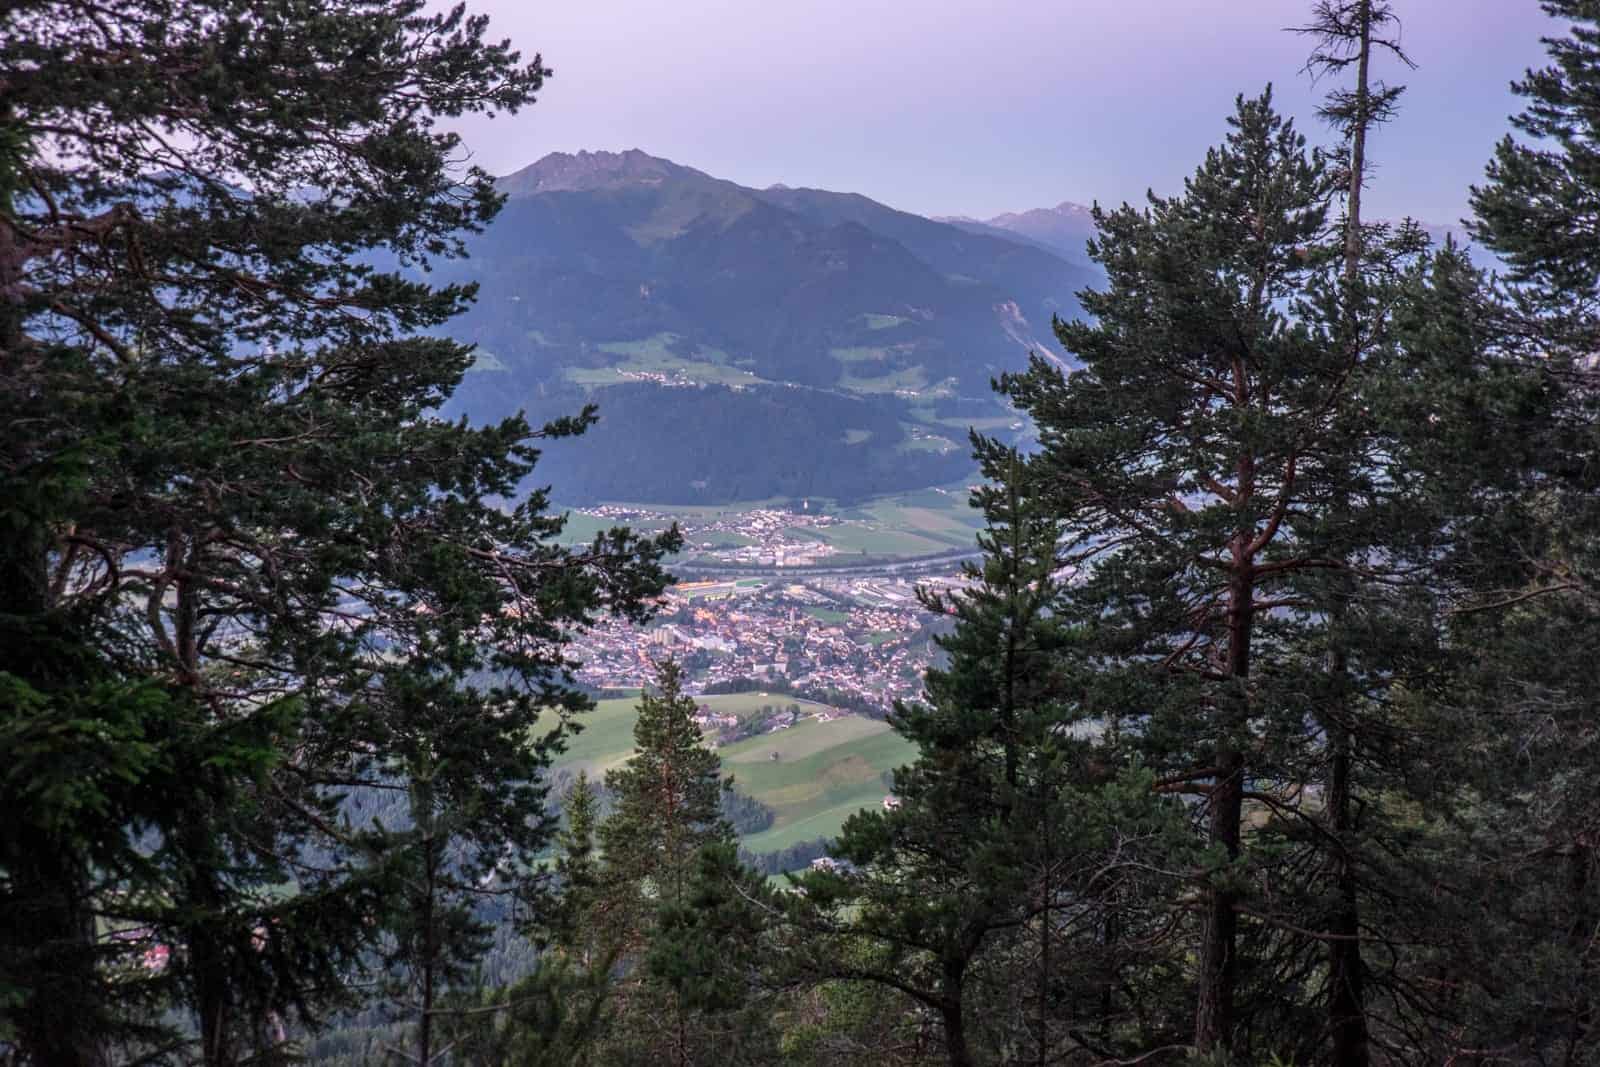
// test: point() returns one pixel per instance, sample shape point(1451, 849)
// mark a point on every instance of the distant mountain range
point(1066, 228)
point(746, 343)
point(1063, 229)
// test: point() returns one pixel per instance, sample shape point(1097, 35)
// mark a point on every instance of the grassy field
point(696, 590)
point(825, 771)
point(988, 425)
point(921, 523)
point(920, 440)
point(874, 541)
point(831, 616)
point(944, 517)
point(705, 512)
point(880, 369)
point(722, 539)
point(814, 792)
point(918, 523)
point(605, 740)
point(797, 743)
point(859, 354)
point(607, 735)
point(906, 379)
point(745, 705)
point(654, 355)
point(580, 529)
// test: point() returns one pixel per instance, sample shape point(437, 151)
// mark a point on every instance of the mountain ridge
point(712, 322)
point(1068, 226)
point(1063, 229)
point(586, 170)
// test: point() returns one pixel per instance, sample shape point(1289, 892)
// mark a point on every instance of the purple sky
point(982, 106)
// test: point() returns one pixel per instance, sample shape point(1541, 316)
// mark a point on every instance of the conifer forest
point(1264, 723)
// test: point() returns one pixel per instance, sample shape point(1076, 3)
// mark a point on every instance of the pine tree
point(556, 1015)
point(1529, 586)
point(669, 902)
point(578, 871)
point(223, 484)
point(1538, 189)
point(1179, 445)
point(1250, 522)
point(64, 851)
point(667, 806)
point(1382, 829)
point(983, 891)
point(1348, 33)
point(709, 951)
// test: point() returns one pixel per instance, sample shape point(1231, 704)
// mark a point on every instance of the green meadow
point(654, 355)
point(823, 772)
point(922, 522)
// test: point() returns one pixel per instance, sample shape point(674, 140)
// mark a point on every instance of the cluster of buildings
point(675, 380)
point(866, 638)
point(724, 728)
point(862, 636)
point(762, 537)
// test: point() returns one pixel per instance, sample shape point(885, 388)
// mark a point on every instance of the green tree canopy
point(222, 480)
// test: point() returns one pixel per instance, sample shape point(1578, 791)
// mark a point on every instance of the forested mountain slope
point(822, 322)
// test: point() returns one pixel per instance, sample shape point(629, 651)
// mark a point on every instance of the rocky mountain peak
point(1064, 212)
point(587, 171)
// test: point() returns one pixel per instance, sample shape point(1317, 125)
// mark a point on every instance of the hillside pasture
point(607, 735)
point(812, 796)
point(919, 523)
point(824, 773)
point(801, 741)
point(655, 355)
point(874, 378)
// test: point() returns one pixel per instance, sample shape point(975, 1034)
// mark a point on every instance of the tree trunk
point(51, 937)
point(1358, 145)
point(207, 954)
point(206, 935)
point(1219, 958)
point(1110, 935)
point(423, 809)
point(953, 1016)
point(1042, 1043)
point(54, 940)
point(1584, 939)
point(1347, 1018)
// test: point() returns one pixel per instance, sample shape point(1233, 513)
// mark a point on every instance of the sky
point(976, 107)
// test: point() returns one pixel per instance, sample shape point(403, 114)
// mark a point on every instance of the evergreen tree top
point(669, 793)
